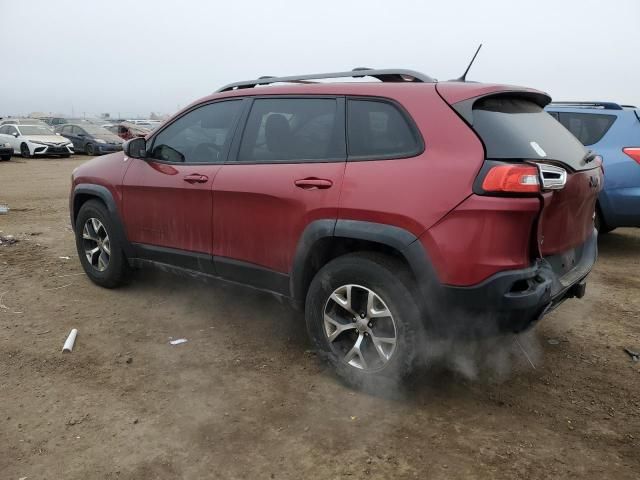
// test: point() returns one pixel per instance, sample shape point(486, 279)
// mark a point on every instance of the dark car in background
point(90, 139)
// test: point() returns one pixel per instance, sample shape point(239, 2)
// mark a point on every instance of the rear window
point(377, 129)
point(589, 128)
point(515, 128)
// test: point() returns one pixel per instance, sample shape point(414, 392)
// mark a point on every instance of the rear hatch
point(515, 130)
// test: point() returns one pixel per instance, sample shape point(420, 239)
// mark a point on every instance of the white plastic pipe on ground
point(68, 345)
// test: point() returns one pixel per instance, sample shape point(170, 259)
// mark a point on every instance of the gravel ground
point(246, 398)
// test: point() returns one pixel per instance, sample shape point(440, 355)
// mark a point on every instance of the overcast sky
point(138, 56)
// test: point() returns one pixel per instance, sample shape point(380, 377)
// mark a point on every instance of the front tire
point(99, 247)
point(89, 149)
point(24, 151)
point(361, 313)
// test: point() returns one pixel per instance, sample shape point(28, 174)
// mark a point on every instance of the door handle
point(196, 178)
point(313, 183)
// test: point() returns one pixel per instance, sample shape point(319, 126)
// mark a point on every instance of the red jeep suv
point(386, 210)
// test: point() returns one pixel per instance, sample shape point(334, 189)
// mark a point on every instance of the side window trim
point(244, 118)
point(232, 131)
point(405, 115)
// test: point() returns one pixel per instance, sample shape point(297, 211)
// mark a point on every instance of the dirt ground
point(246, 398)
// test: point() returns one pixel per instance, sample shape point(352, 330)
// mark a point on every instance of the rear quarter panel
point(414, 193)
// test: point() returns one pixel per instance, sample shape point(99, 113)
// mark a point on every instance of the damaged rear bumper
point(514, 300)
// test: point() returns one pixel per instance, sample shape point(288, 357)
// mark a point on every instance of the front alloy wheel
point(359, 327)
point(96, 244)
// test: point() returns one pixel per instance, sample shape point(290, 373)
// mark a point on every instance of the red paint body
point(256, 213)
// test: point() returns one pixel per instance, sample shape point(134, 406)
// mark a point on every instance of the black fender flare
point(102, 193)
point(399, 239)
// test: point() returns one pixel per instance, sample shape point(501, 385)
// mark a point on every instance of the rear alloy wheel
point(24, 151)
point(361, 313)
point(366, 332)
point(90, 149)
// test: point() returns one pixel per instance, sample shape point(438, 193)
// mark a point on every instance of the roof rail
point(605, 105)
point(628, 106)
point(384, 75)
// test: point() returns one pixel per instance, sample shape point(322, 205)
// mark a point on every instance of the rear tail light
point(523, 178)
point(633, 152)
point(512, 179)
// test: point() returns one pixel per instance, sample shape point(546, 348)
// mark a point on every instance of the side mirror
point(15, 134)
point(135, 148)
point(81, 135)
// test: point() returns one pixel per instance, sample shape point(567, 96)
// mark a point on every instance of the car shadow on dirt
point(619, 243)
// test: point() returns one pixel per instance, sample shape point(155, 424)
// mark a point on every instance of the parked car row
point(63, 136)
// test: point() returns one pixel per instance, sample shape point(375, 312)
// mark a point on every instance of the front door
point(285, 172)
point(167, 196)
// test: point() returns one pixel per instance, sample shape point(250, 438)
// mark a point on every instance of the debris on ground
point(634, 354)
point(64, 258)
point(178, 341)
point(68, 344)
point(8, 240)
point(4, 208)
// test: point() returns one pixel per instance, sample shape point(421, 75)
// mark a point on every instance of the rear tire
point(96, 232)
point(356, 278)
point(6, 158)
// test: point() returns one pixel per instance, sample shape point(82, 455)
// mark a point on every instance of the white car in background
point(32, 140)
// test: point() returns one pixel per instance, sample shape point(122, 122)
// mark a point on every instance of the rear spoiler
point(465, 107)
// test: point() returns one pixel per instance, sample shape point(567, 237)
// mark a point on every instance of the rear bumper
point(513, 300)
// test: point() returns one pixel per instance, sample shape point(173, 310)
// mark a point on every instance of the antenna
point(463, 78)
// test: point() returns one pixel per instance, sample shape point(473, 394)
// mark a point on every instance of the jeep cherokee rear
point(383, 209)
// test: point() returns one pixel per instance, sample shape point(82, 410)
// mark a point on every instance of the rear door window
point(514, 128)
point(378, 129)
point(589, 128)
point(293, 130)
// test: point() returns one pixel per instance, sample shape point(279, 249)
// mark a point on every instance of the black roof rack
point(605, 105)
point(384, 75)
point(628, 106)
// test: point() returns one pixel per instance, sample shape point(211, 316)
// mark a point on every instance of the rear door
point(516, 129)
point(285, 172)
point(167, 196)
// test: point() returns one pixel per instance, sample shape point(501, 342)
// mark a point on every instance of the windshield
point(35, 130)
point(95, 130)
